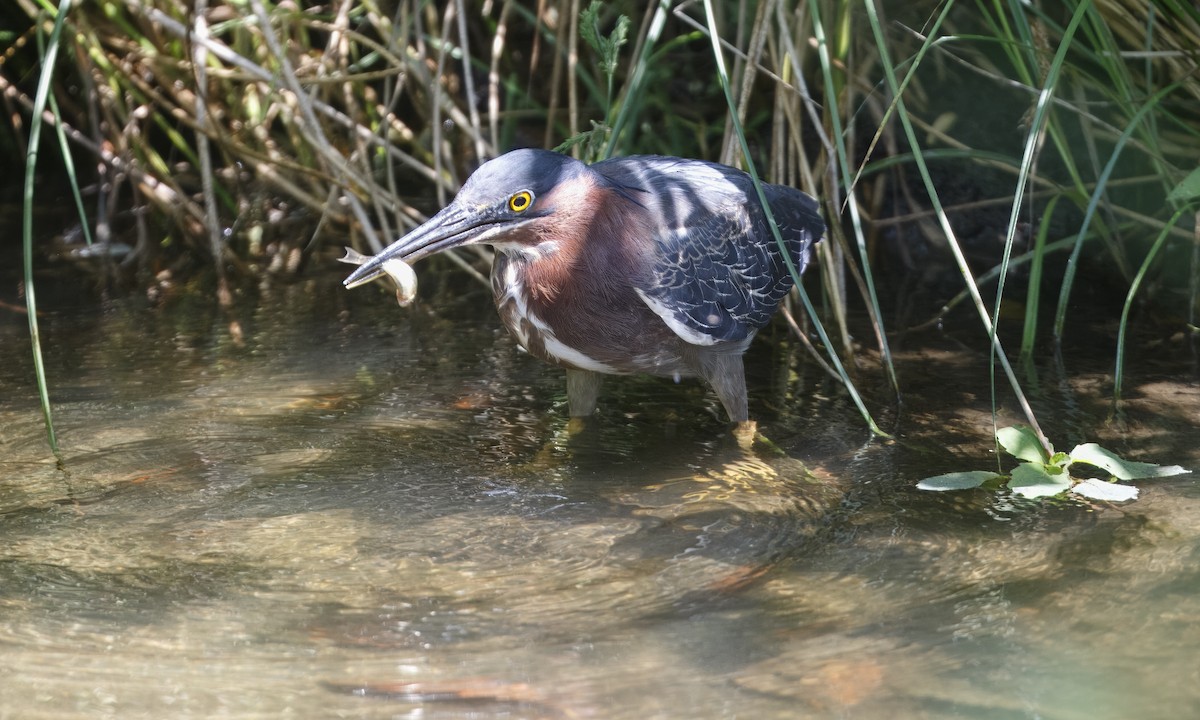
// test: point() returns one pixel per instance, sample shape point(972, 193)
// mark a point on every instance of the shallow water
point(361, 511)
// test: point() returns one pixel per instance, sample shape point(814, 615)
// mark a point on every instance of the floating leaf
point(1031, 480)
point(1100, 490)
point(1021, 442)
point(957, 480)
point(1187, 190)
point(1093, 454)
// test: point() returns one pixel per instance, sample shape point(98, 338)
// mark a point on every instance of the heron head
point(503, 201)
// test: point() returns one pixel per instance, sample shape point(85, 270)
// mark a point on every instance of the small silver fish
point(399, 271)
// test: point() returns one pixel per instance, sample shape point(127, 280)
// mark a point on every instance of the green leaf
point(957, 480)
point(592, 141)
point(1021, 442)
point(1100, 490)
point(1187, 190)
point(1032, 481)
point(1093, 454)
point(607, 47)
point(589, 25)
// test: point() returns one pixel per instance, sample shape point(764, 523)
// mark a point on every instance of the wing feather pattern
point(716, 273)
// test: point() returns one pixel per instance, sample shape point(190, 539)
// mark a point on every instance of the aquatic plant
point(1042, 472)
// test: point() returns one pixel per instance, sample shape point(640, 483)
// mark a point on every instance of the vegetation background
point(956, 146)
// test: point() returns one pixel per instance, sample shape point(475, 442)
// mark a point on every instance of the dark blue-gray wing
point(720, 275)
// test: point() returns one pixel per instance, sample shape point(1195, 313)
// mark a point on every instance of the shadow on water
point(364, 512)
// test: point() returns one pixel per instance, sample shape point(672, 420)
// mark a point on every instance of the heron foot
point(577, 425)
point(744, 432)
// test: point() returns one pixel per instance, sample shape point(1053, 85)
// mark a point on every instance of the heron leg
point(583, 389)
point(723, 372)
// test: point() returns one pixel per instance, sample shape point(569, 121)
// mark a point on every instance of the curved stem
point(35, 135)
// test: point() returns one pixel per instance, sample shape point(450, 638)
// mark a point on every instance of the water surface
point(360, 511)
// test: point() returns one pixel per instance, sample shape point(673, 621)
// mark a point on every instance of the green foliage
point(1038, 479)
point(595, 143)
point(607, 47)
point(740, 133)
point(1185, 195)
point(1021, 443)
point(1039, 475)
point(40, 101)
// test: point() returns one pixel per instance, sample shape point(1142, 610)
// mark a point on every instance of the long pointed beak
point(454, 226)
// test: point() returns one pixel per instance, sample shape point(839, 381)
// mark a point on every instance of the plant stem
point(723, 76)
point(955, 248)
point(1119, 371)
point(35, 135)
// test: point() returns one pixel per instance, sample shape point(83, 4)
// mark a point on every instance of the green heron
point(641, 264)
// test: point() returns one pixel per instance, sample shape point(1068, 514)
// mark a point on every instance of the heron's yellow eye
point(521, 201)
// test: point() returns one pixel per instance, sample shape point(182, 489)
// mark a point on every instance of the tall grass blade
point(1068, 282)
point(1119, 370)
point(848, 183)
point(955, 247)
point(633, 87)
point(35, 136)
point(1033, 142)
point(208, 182)
point(72, 177)
point(723, 77)
point(1033, 292)
point(68, 160)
